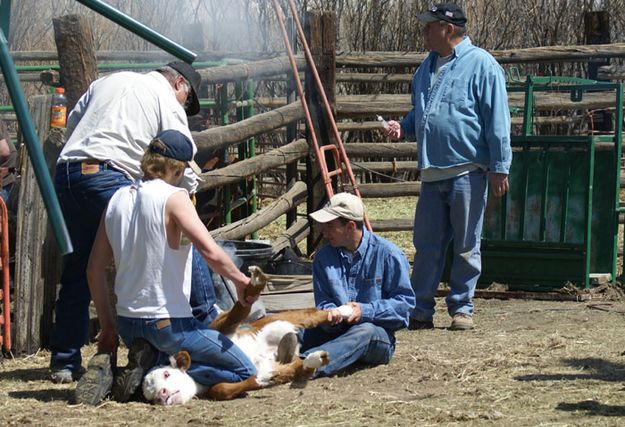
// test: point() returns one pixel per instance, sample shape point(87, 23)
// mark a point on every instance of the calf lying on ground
point(259, 340)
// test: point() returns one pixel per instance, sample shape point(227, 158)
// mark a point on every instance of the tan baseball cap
point(344, 205)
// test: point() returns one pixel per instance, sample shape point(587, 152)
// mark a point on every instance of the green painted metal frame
point(139, 29)
point(244, 103)
point(246, 149)
point(225, 119)
point(587, 241)
point(5, 16)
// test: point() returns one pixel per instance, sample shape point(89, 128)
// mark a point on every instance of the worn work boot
point(461, 322)
point(142, 357)
point(96, 383)
point(415, 325)
point(286, 348)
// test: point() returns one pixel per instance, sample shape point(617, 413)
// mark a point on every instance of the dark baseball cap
point(194, 79)
point(177, 147)
point(448, 12)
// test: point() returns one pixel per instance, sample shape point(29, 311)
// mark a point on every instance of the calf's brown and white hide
point(258, 340)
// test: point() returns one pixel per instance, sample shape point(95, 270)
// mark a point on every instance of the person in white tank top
point(146, 229)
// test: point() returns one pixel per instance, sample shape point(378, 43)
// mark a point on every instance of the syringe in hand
point(384, 122)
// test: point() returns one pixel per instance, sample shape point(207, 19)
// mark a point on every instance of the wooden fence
point(356, 112)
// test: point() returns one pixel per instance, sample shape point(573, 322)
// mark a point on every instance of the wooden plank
point(288, 285)
point(404, 224)
point(382, 149)
point(322, 48)
point(37, 261)
point(221, 137)
point(392, 189)
point(386, 167)
point(240, 170)
point(373, 78)
point(239, 229)
point(292, 236)
point(136, 55)
point(250, 70)
point(576, 53)
point(288, 301)
point(399, 105)
point(75, 45)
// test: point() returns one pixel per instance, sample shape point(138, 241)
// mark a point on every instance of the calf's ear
point(183, 360)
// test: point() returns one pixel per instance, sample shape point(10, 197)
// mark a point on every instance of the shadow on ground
point(592, 407)
point(591, 369)
point(48, 395)
point(36, 374)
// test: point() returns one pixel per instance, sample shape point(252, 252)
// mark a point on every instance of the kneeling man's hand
point(356, 312)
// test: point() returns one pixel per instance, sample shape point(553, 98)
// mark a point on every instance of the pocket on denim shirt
point(370, 290)
point(456, 92)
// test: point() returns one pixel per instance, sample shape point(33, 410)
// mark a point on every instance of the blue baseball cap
point(177, 146)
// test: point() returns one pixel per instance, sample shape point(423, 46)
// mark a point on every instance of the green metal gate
point(559, 221)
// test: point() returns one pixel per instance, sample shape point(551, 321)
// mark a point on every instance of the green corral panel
point(536, 237)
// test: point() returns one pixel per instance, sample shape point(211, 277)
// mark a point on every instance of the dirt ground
point(527, 363)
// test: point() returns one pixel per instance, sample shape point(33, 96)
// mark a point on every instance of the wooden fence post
point(597, 31)
point(37, 260)
point(291, 129)
point(320, 28)
point(77, 58)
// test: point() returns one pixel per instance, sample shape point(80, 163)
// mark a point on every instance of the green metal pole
point(140, 30)
point(225, 119)
point(5, 16)
point(251, 150)
point(618, 140)
point(34, 149)
point(241, 151)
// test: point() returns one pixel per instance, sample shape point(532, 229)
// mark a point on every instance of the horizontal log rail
point(250, 70)
point(381, 149)
point(133, 55)
point(404, 224)
point(581, 53)
point(399, 105)
point(393, 189)
point(292, 236)
point(253, 166)
point(239, 229)
point(390, 167)
point(221, 137)
point(373, 78)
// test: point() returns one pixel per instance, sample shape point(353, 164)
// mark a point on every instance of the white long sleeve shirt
point(118, 116)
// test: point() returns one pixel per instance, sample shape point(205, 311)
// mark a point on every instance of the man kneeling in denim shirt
point(363, 279)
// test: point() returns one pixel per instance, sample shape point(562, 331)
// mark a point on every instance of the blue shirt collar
point(362, 247)
point(459, 50)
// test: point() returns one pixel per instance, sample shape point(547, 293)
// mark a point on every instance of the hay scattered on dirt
point(527, 363)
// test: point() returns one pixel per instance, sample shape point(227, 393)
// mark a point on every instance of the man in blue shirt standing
point(363, 280)
point(461, 121)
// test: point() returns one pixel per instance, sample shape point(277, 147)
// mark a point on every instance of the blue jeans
point(214, 358)
point(346, 345)
point(446, 210)
point(83, 199)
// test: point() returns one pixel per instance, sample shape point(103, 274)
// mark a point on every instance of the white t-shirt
point(118, 116)
point(152, 279)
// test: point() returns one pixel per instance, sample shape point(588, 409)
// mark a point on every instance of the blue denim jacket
point(464, 118)
point(376, 276)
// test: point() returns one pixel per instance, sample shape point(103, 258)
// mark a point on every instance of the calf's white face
point(169, 385)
